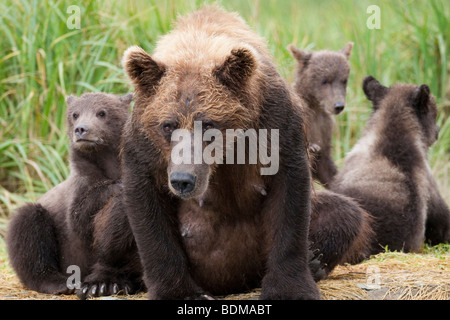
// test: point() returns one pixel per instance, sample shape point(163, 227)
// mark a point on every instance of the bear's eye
point(324, 82)
point(75, 116)
point(207, 126)
point(169, 127)
point(101, 114)
point(344, 82)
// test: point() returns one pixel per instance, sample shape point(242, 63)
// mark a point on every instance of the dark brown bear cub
point(340, 232)
point(46, 237)
point(321, 80)
point(216, 227)
point(387, 171)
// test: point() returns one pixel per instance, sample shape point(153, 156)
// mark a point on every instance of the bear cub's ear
point(420, 99)
point(237, 69)
point(302, 57)
point(374, 90)
point(143, 71)
point(70, 99)
point(126, 99)
point(347, 50)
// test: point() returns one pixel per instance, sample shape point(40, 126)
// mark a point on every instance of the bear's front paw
point(100, 289)
point(318, 268)
point(314, 148)
point(298, 287)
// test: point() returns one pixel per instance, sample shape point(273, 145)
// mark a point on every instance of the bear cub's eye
point(75, 116)
point(101, 114)
point(344, 82)
point(324, 81)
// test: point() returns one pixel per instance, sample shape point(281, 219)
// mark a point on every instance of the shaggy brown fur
point(44, 238)
point(321, 80)
point(340, 232)
point(235, 229)
point(388, 173)
point(214, 69)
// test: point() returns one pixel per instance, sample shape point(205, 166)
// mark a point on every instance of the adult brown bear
point(215, 226)
point(200, 228)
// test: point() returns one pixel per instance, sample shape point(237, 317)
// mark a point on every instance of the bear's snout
point(81, 130)
point(338, 107)
point(182, 182)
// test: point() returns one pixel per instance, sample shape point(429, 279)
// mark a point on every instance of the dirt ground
point(391, 276)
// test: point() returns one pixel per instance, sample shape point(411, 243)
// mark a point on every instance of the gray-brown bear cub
point(388, 173)
point(321, 80)
point(46, 237)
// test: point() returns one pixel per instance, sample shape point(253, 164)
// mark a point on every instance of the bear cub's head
point(95, 120)
point(322, 77)
point(405, 103)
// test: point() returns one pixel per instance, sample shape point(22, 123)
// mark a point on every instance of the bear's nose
point(338, 107)
point(81, 130)
point(182, 182)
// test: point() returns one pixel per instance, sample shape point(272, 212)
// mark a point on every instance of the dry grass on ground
point(389, 275)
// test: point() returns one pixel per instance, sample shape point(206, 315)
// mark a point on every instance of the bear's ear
point(347, 50)
point(70, 99)
point(237, 69)
point(301, 56)
point(143, 71)
point(126, 99)
point(420, 99)
point(374, 90)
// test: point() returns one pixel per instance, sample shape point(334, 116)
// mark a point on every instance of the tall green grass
point(42, 61)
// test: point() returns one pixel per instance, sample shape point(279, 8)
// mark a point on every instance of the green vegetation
point(42, 61)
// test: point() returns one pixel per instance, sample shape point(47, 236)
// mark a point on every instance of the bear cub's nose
point(81, 130)
point(182, 182)
point(338, 107)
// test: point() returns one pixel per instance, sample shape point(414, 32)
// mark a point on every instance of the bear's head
point(407, 103)
point(322, 77)
point(95, 120)
point(178, 104)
